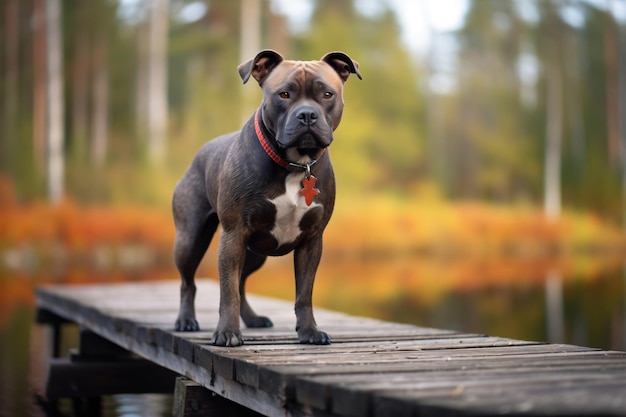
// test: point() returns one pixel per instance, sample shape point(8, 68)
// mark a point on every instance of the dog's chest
point(291, 208)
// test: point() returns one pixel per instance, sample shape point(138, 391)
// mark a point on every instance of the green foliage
point(381, 141)
point(482, 139)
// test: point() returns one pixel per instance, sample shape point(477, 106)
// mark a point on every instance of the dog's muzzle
point(306, 129)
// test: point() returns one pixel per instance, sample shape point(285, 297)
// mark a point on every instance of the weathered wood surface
point(373, 368)
point(193, 400)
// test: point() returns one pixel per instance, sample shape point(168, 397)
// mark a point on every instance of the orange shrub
point(371, 226)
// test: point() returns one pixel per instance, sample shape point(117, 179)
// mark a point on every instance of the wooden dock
point(372, 369)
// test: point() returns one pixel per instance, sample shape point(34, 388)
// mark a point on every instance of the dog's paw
point(227, 338)
point(187, 325)
point(258, 321)
point(314, 337)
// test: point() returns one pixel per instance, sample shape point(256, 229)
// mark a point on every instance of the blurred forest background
point(480, 163)
point(505, 134)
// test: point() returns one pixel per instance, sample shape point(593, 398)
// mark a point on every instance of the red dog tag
point(308, 190)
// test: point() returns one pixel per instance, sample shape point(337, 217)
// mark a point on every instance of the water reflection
point(146, 405)
point(559, 300)
point(579, 301)
point(554, 307)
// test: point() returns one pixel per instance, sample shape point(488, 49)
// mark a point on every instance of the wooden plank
point(373, 368)
point(339, 389)
point(247, 367)
point(278, 366)
point(193, 400)
point(82, 307)
point(535, 398)
point(480, 389)
point(276, 374)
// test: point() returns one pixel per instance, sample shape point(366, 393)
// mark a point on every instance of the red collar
point(290, 166)
point(266, 146)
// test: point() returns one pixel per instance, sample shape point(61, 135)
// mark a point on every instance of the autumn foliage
point(468, 229)
point(79, 227)
point(382, 228)
point(375, 251)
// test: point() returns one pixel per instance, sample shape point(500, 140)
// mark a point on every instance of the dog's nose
point(307, 116)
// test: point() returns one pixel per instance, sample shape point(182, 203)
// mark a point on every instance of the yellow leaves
point(377, 247)
point(77, 227)
point(379, 224)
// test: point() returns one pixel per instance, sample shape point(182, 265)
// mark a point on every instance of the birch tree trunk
point(11, 81)
point(250, 27)
point(54, 81)
point(100, 107)
point(157, 78)
point(553, 41)
point(437, 157)
point(554, 133)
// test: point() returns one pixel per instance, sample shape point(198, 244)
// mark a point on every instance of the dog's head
point(302, 100)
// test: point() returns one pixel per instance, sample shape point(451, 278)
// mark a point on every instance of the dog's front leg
point(306, 260)
point(232, 253)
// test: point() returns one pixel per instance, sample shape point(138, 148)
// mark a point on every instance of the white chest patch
point(290, 208)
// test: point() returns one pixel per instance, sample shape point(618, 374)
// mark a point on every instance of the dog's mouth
point(309, 145)
point(307, 142)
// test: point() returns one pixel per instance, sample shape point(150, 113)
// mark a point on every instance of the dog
point(271, 187)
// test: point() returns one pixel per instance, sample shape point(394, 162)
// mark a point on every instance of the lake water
point(578, 301)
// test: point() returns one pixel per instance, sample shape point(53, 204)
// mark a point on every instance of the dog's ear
point(343, 64)
point(260, 66)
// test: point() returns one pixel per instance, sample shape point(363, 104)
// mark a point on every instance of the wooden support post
point(55, 321)
point(87, 407)
point(84, 378)
point(99, 368)
point(193, 400)
point(93, 346)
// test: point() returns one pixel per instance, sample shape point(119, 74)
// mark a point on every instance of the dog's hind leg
point(195, 226)
point(250, 318)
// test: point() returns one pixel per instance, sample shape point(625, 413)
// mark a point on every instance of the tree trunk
point(11, 82)
point(554, 133)
point(157, 78)
point(612, 88)
point(80, 82)
point(552, 33)
point(141, 81)
point(39, 84)
point(250, 27)
point(574, 110)
point(54, 81)
point(100, 107)
point(621, 81)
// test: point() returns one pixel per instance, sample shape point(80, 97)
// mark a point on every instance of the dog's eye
point(328, 95)
point(284, 94)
